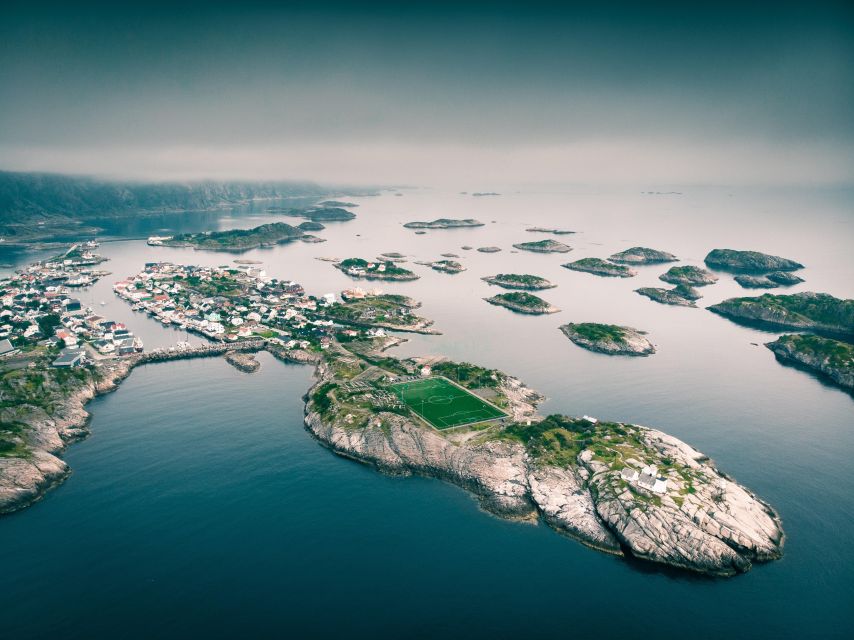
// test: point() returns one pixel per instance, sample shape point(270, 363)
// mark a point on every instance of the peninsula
point(378, 270)
point(828, 358)
point(642, 255)
point(749, 261)
point(444, 223)
point(519, 281)
point(609, 339)
point(599, 267)
point(818, 312)
point(544, 246)
point(522, 302)
point(266, 235)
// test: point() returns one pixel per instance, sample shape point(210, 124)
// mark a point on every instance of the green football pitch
point(443, 404)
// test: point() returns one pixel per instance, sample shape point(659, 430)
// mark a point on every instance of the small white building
point(426, 371)
point(628, 474)
point(590, 419)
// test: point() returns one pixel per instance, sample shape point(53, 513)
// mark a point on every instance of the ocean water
point(200, 505)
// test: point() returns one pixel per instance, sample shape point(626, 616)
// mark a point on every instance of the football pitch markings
point(444, 404)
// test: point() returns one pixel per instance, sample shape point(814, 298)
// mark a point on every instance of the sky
point(466, 93)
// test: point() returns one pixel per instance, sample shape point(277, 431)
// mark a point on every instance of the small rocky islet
point(489, 249)
point(544, 246)
point(522, 281)
point(689, 275)
point(444, 223)
point(316, 214)
point(522, 302)
point(609, 339)
point(445, 266)
point(642, 256)
point(374, 270)
point(748, 261)
point(768, 281)
point(599, 267)
point(556, 232)
point(818, 312)
point(826, 357)
point(681, 295)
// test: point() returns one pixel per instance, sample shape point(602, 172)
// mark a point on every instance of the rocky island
point(818, 312)
point(445, 266)
point(557, 232)
point(519, 281)
point(522, 302)
point(689, 275)
point(388, 270)
point(266, 235)
point(242, 361)
point(749, 261)
point(768, 281)
point(681, 295)
point(830, 359)
point(316, 214)
point(642, 255)
point(489, 249)
point(544, 246)
point(610, 339)
point(444, 223)
point(616, 487)
point(599, 267)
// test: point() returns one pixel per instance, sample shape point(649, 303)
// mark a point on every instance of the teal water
point(200, 505)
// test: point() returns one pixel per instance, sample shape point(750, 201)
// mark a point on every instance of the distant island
point(519, 281)
point(557, 232)
point(388, 270)
point(749, 261)
point(681, 295)
point(316, 214)
point(480, 194)
point(266, 235)
point(489, 249)
point(544, 246)
point(444, 223)
point(689, 275)
point(609, 339)
point(642, 255)
point(826, 357)
point(819, 312)
point(522, 302)
point(599, 267)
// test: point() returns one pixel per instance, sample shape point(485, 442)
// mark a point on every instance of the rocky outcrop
point(599, 267)
point(557, 232)
point(544, 246)
point(519, 281)
point(609, 339)
point(680, 295)
point(522, 303)
point(489, 249)
point(819, 312)
point(242, 361)
point(689, 275)
point(828, 358)
point(642, 255)
point(749, 261)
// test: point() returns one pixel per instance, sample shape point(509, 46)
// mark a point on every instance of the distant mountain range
point(37, 205)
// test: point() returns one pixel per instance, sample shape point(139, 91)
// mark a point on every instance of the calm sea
point(201, 506)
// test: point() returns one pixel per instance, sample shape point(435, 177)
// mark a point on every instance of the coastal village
point(41, 313)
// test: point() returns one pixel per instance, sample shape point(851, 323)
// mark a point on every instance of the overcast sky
point(435, 94)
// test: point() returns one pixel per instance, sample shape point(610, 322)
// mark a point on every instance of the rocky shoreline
point(827, 358)
point(609, 339)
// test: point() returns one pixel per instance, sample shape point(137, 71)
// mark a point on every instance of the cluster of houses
point(647, 478)
point(38, 308)
point(231, 303)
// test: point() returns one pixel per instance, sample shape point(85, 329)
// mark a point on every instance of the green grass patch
point(443, 404)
